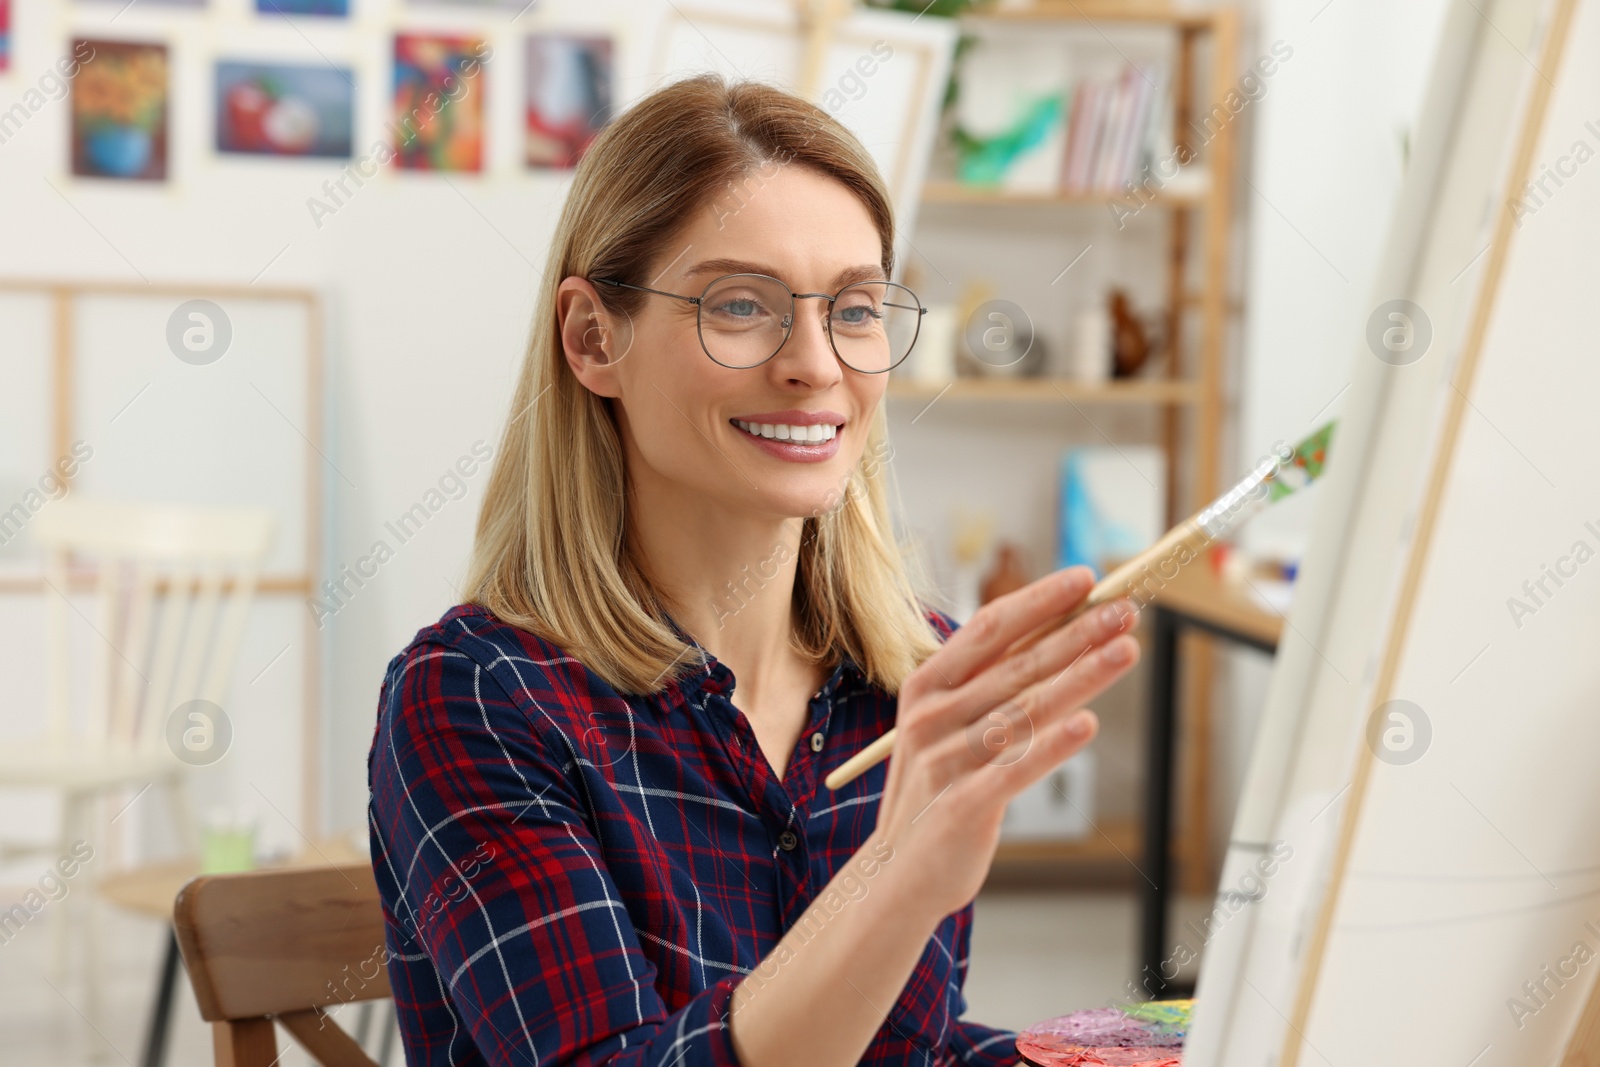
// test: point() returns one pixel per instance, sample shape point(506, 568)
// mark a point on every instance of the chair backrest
point(173, 586)
point(283, 945)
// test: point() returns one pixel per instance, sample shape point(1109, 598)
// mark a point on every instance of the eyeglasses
point(743, 319)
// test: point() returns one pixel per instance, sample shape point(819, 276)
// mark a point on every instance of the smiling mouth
point(817, 434)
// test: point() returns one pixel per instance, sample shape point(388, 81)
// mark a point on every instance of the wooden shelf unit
point(945, 192)
point(1130, 391)
point(1115, 839)
point(1193, 381)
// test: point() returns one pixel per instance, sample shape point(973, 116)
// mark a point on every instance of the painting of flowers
point(119, 111)
point(438, 102)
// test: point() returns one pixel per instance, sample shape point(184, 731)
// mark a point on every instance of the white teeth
point(814, 434)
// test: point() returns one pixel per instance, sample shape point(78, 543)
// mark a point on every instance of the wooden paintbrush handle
point(1140, 579)
point(861, 762)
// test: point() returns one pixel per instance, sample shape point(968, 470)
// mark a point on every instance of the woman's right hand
point(973, 730)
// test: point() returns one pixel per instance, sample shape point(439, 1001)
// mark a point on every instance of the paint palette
point(1134, 1035)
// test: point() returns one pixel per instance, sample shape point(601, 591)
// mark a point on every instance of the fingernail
point(1111, 615)
point(1077, 726)
point(1118, 652)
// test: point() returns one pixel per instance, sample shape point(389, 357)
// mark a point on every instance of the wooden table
point(151, 889)
point(1197, 597)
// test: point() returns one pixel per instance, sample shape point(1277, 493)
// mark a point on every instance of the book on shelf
point(1039, 118)
point(1115, 128)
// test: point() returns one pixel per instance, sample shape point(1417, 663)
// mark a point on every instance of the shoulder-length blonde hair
point(552, 555)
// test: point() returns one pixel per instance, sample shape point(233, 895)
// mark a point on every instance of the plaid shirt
point(571, 876)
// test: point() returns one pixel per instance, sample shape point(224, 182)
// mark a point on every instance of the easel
point(818, 18)
point(1583, 1047)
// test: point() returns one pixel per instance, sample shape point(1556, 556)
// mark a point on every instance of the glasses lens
point(874, 325)
point(744, 318)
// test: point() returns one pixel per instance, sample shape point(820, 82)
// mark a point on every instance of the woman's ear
point(593, 339)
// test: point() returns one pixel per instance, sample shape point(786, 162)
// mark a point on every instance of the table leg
point(1157, 878)
point(155, 1045)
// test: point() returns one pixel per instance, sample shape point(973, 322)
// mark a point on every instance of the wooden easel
point(1583, 1049)
point(817, 19)
point(1584, 1046)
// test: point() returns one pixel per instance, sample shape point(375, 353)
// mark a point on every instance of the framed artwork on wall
point(119, 110)
point(438, 102)
point(281, 109)
point(568, 97)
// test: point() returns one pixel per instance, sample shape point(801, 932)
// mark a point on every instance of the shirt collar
point(713, 676)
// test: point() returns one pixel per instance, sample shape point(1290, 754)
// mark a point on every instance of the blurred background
point(266, 278)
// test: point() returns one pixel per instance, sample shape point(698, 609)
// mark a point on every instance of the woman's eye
point(742, 308)
point(858, 315)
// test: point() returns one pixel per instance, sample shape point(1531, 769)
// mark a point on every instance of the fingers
point(992, 629)
point(1051, 748)
point(1006, 735)
point(1055, 660)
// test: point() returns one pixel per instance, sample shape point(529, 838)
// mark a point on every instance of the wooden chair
point(282, 946)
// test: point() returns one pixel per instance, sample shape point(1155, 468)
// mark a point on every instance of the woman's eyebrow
point(868, 272)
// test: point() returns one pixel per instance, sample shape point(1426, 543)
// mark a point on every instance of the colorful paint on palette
point(1133, 1035)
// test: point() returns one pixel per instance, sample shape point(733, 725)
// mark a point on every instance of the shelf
point(1127, 391)
point(1115, 841)
point(946, 192)
point(951, 192)
point(1097, 11)
point(30, 580)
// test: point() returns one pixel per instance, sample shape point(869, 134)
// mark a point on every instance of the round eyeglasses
point(743, 319)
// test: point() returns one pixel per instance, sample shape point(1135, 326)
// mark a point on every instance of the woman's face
point(679, 412)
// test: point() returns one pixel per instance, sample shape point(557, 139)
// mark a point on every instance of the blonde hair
point(552, 556)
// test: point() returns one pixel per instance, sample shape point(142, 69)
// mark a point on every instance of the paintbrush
point(1140, 579)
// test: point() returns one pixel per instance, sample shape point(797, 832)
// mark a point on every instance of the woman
point(590, 846)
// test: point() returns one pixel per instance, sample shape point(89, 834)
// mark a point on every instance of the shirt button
point(787, 840)
point(816, 741)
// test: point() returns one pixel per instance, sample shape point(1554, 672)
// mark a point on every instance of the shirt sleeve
point(973, 1043)
point(488, 867)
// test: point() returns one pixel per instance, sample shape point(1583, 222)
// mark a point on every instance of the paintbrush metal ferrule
point(1248, 496)
point(1134, 579)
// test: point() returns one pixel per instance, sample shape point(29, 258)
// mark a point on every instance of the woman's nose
point(808, 337)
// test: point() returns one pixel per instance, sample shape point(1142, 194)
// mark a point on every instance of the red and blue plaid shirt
point(572, 876)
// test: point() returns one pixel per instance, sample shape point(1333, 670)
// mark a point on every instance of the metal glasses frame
point(788, 324)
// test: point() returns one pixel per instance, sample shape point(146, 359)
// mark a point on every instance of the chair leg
point(94, 827)
point(94, 966)
point(183, 816)
point(60, 920)
point(244, 1043)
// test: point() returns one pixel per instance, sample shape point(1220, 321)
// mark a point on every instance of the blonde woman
point(599, 824)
